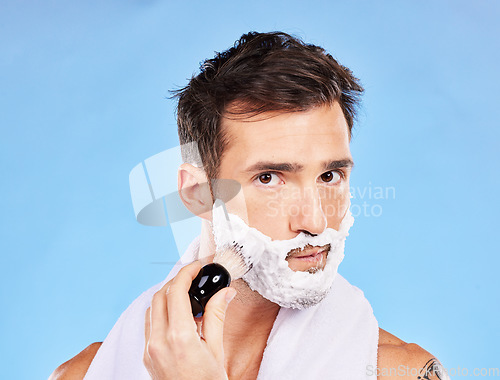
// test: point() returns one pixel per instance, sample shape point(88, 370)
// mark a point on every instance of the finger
point(180, 315)
point(158, 312)
point(213, 320)
point(147, 325)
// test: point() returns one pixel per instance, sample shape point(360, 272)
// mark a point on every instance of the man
point(274, 115)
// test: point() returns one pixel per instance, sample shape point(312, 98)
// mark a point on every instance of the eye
point(331, 177)
point(269, 179)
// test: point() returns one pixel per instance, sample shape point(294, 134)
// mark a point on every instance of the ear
point(192, 184)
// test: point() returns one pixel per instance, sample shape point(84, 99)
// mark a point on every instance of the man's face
point(294, 172)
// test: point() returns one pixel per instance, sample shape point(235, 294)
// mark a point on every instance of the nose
point(306, 214)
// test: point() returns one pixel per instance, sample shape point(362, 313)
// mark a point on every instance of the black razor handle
point(212, 278)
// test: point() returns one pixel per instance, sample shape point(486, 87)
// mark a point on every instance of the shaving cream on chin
point(270, 274)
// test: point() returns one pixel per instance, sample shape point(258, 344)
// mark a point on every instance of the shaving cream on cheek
point(270, 274)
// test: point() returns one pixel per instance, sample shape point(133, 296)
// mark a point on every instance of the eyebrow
point(293, 167)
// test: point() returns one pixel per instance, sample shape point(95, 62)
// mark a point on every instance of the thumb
point(213, 320)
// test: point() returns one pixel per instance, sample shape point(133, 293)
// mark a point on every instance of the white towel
point(336, 339)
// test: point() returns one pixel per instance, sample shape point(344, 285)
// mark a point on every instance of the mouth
point(309, 254)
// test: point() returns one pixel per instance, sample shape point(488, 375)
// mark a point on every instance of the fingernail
point(230, 295)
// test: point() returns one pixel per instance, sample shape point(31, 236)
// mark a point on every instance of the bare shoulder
point(76, 367)
point(398, 359)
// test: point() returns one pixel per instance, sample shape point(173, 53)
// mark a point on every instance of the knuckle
point(166, 285)
point(220, 317)
point(175, 281)
point(153, 348)
point(171, 292)
point(219, 313)
point(174, 289)
point(177, 337)
point(157, 296)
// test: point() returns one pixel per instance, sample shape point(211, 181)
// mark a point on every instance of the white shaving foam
point(270, 274)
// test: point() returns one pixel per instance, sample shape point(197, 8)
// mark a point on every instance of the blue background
point(83, 100)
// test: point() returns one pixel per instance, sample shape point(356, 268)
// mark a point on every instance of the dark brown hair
point(262, 72)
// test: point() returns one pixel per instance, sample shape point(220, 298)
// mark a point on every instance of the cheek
point(334, 205)
point(267, 212)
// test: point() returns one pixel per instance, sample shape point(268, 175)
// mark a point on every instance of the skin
point(308, 195)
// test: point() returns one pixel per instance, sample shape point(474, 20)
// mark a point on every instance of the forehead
point(314, 135)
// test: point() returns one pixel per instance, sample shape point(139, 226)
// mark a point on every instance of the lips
point(308, 252)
